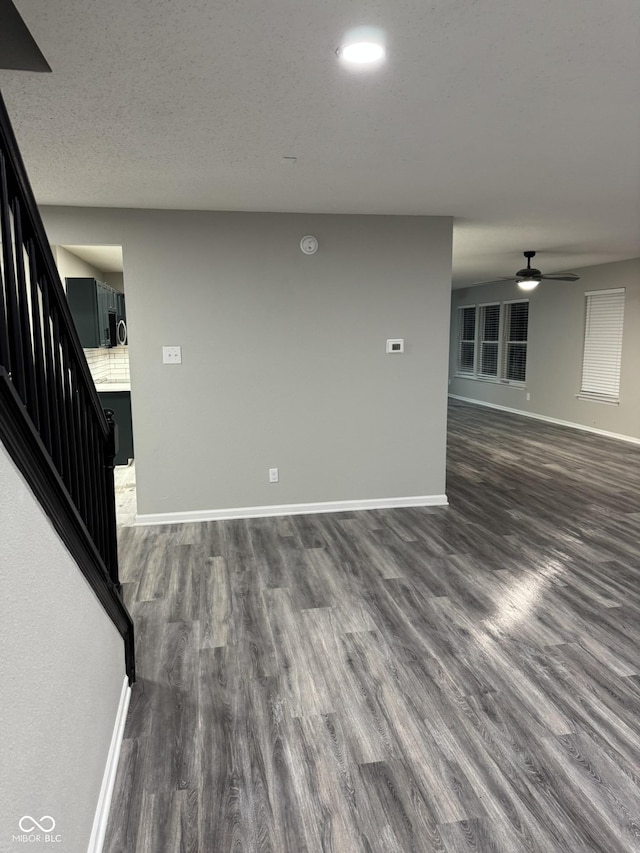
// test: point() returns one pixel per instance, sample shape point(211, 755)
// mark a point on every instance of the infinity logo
point(28, 823)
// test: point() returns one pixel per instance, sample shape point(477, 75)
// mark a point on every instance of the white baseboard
point(287, 509)
point(109, 778)
point(618, 436)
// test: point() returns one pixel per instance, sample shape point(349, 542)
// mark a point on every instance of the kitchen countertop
point(105, 387)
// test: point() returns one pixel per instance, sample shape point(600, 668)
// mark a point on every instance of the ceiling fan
point(529, 277)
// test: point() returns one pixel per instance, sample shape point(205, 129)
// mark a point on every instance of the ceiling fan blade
point(569, 277)
point(18, 49)
point(489, 280)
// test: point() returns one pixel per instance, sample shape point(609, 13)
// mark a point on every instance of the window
point(489, 340)
point(516, 322)
point(492, 341)
point(602, 356)
point(466, 339)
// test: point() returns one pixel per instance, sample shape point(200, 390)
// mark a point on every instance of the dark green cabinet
point(122, 313)
point(120, 403)
point(96, 309)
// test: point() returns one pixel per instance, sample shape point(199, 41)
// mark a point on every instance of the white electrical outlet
point(273, 475)
point(528, 396)
point(172, 355)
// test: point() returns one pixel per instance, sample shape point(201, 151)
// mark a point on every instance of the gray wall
point(556, 338)
point(283, 354)
point(61, 676)
point(115, 280)
point(71, 266)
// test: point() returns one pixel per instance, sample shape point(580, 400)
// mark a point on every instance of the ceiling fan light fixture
point(528, 283)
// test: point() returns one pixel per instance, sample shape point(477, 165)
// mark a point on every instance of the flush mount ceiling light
point(362, 53)
point(362, 47)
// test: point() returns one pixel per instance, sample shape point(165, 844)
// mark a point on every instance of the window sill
point(492, 379)
point(593, 398)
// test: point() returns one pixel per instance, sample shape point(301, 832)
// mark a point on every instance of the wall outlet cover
point(172, 355)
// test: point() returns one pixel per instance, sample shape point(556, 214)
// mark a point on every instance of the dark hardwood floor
point(459, 679)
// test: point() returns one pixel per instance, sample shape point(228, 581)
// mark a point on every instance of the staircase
point(51, 421)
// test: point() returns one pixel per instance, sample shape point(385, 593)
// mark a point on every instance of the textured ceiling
point(520, 119)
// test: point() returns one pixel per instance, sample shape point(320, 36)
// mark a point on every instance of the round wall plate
point(309, 245)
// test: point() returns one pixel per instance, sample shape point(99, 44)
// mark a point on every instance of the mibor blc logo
point(38, 831)
point(45, 824)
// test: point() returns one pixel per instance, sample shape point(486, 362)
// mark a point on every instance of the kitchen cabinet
point(122, 320)
point(120, 403)
point(122, 312)
point(96, 309)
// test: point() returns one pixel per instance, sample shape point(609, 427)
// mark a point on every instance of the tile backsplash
point(109, 365)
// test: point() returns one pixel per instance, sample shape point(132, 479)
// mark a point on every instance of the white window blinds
point(603, 345)
point(492, 341)
point(466, 339)
point(489, 339)
point(516, 326)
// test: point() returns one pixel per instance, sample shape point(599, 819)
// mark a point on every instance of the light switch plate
point(172, 355)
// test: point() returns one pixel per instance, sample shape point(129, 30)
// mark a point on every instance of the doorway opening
point(94, 281)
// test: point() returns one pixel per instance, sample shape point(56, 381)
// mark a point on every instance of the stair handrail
point(51, 420)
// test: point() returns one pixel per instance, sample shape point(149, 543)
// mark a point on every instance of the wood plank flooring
point(459, 679)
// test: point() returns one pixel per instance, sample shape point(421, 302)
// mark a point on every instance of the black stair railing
point(51, 420)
